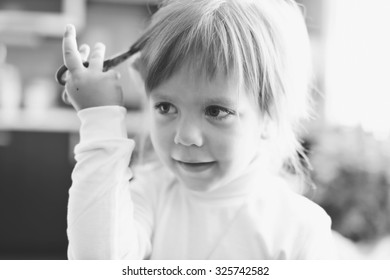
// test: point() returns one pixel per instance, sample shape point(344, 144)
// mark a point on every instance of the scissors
point(108, 63)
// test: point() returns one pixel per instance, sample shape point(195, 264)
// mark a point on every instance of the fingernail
point(68, 29)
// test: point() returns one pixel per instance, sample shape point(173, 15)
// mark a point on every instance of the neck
point(252, 177)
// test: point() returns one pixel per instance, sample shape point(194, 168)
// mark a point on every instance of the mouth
point(195, 167)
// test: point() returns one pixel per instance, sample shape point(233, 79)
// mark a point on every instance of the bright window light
point(357, 75)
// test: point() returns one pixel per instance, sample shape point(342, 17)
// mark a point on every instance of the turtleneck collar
point(254, 177)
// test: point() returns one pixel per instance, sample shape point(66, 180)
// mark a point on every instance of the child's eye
point(218, 112)
point(165, 108)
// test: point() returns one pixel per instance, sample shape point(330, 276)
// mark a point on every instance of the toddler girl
point(226, 84)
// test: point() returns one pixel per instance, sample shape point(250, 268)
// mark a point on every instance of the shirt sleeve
point(319, 243)
point(101, 222)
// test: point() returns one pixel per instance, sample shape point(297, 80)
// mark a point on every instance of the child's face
point(206, 132)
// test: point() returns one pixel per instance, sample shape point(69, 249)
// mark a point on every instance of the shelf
point(131, 2)
point(54, 120)
point(24, 19)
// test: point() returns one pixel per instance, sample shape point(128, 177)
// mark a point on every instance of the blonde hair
point(264, 42)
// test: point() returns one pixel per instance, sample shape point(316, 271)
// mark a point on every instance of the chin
point(198, 185)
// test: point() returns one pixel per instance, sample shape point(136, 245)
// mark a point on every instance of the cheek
point(235, 144)
point(161, 137)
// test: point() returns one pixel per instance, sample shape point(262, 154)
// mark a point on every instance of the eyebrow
point(220, 100)
point(160, 95)
point(223, 101)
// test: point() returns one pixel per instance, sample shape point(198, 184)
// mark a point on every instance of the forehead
point(186, 81)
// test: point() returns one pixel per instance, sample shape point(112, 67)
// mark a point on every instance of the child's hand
point(88, 87)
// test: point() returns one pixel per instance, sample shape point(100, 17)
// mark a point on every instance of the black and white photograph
point(194, 130)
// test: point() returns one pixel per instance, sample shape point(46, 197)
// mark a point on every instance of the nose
point(189, 133)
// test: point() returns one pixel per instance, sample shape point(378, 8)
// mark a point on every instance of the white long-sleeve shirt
point(152, 216)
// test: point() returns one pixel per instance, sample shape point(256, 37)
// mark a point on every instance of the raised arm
point(101, 219)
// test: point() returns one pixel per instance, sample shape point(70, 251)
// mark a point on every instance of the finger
point(72, 58)
point(97, 57)
point(84, 52)
point(66, 76)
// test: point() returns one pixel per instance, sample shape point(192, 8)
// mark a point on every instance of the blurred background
point(348, 141)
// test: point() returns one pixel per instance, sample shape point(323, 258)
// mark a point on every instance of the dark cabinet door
point(34, 181)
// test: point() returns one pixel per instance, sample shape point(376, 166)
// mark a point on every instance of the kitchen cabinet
point(35, 177)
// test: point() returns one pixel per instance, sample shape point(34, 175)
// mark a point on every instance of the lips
point(195, 167)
